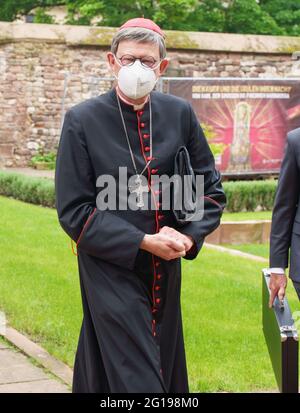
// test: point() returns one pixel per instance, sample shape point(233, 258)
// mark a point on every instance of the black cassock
point(131, 339)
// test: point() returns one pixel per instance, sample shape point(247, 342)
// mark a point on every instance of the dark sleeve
point(98, 233)
point(285, 207)
point(203, 163)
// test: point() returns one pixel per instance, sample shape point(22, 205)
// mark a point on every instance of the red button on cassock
point(157, 287)
point(146, 135)
point(147, 148)
point(142, 125)
point(141, 112)
point(158, 276)
point(157, 300)
point(160, 216)
point(157, 264)
point(153, 171)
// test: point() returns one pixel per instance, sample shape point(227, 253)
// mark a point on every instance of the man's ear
point(163, 66)
point(110, 58)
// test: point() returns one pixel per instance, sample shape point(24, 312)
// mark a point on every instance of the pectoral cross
point(139, 189)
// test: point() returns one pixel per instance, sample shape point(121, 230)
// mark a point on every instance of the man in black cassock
point(129, 261)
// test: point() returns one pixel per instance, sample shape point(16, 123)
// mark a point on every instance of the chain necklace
point(138, 188)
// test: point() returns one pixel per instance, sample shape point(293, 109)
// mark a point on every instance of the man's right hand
point(163, 246)
point(277, 285)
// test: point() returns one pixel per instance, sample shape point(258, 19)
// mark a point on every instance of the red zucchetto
point(142, 22)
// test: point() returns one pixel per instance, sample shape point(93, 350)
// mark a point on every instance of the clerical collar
point(135, 107)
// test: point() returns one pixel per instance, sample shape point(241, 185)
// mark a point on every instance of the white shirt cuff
point(277, 270)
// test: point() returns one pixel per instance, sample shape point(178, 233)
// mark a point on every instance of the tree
point(9, 10)
point(170, 14)
point(246, 16)
point(41, 16)
point(209, 16)
point(286, 13)
point(276, 17)
point(83, 11)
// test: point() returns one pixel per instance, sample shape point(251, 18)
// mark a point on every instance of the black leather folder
point(282, 339)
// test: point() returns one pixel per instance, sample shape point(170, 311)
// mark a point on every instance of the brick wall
point(34, 60)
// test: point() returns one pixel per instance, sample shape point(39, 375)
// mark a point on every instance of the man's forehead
point(138, 48)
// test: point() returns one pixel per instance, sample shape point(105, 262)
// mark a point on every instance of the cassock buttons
point(157, 264)
point(157, 287)
point(153, 171)
point(147, 148)
point(142, 124)
point(146, 135)
point(140, 112)
point(160, 216)
point(158, 276)
point(157, 300)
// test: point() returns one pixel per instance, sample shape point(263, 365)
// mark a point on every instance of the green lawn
point(39, 288)
point(261, 250)
point(39, 291)
point(246, 216)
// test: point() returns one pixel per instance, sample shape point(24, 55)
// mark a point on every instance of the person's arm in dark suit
point(284, 211)
point(285, 207)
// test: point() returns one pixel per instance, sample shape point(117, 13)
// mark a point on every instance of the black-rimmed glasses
point(147, 61)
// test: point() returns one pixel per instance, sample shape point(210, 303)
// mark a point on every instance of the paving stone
point(19, 375)
point(38, 386)
point(15, 367)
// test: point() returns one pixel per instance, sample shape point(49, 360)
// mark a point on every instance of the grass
point(261, 250)
point(246, 216)
point(39, 288)
point(39, 292)
point(222, 317)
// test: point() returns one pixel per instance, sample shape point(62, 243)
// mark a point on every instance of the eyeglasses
point(146, 61)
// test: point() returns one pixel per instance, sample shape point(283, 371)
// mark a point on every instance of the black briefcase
point(281, 338)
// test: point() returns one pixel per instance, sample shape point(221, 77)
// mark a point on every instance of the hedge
point(241, 195)
point(250, 195)
point(27, 188)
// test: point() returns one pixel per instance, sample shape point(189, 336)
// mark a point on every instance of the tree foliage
point(286, 13)
point(247, 16)
point(10, 9)
point(276, 17)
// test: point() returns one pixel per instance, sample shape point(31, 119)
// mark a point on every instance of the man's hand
point(186, 239)
point(277, 287)
point(164, 246)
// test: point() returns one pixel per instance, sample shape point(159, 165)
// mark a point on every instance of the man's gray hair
point(140, 35)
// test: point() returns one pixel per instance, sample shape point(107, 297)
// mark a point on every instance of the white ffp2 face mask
point(136, 81)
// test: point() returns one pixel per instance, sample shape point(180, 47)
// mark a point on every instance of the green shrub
point(250, 195)
point(27, 188)
point(46, 159)
point(241, 195)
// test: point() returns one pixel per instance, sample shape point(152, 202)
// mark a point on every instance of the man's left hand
point(186, 239)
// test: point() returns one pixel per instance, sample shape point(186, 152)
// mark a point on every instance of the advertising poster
point(245, 121)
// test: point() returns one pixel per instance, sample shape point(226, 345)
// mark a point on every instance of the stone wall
point(45, 69)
